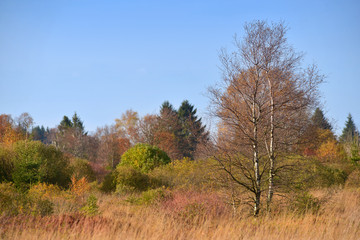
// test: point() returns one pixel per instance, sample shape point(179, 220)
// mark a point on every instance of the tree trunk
point(256, 162)
point(271, 150)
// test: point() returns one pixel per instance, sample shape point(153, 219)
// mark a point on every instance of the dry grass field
point(194, 215)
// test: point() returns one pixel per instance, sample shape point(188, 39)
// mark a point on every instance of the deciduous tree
point(263, 102)
point(9, 134)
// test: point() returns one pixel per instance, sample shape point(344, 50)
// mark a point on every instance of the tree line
point(180, 133)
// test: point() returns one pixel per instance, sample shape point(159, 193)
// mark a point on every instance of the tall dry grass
point(192, 216)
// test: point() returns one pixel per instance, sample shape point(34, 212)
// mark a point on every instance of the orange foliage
point(79, 187)
point(328, 151)
point(8, 135)
point(166, 141)
point(315, 138)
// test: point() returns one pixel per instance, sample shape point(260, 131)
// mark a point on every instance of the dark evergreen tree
point(166, 108)
point(168, 119)
point(180, 131)
point(78, 125)
point(71, 137)
point(193, 131)
point(319, 120)
point(65, 124)
point(349, 133)
point(39, 134)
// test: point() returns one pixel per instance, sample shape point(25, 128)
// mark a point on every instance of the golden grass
point(338, 218)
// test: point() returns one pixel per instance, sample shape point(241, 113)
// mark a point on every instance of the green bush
point(304, 203)
point(109, 183)
point(42, 207)
point(324, 176)
point(6, 164)
point(81, 168)
point(91, 208)
point(151, 196)
point(304, 174)
point(129, 179)
point(35, 162)
point(184, 174)
point(144, 157)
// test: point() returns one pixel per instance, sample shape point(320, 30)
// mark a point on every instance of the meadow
point(195, 215)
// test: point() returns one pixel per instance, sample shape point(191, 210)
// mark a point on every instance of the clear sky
point(100, 58)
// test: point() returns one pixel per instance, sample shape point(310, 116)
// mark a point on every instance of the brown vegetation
point(336, 219)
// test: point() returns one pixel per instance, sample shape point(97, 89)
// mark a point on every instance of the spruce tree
point(78, 125)
point(65, 124)
point(319, 120)
point(193, 131)
point(349, 133)
point(38, 133)
point(167, 108)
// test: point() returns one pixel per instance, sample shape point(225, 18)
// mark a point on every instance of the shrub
point(109, 183)
point(79, 188)
point(304, 203)
point(82, 168)
point(184, 174)
point(6, 164)
point(151, 196)
point(42, 207)
point(144, 157)
point(91, 208)
point(44, 191)
point(310, 173)
point(10, 199)
point(35, 162)
point(129, 179)
point(13, 202)
point(353, 181)
point(326, 176)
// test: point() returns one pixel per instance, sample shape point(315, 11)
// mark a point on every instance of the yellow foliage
point(329, 151)
point(45, 191)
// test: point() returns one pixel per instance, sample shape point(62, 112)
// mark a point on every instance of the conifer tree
point(319, 120)
point(349, 133)
point(193, 131)
point(39, 133)
point(65, 124)
point(78, 125)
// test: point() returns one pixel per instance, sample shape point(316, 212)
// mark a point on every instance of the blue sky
point(100, 58)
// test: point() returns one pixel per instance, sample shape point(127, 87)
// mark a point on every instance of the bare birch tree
point(264, 99)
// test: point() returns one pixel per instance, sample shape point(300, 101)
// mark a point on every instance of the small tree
point(350, 139)
point(349, 133)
